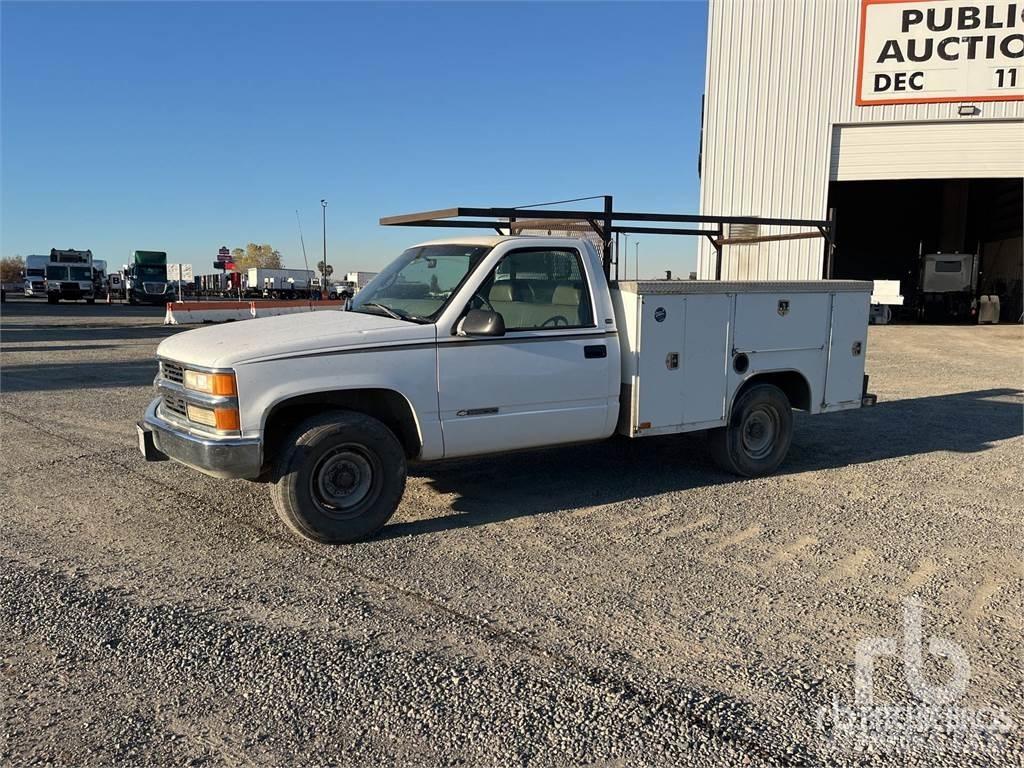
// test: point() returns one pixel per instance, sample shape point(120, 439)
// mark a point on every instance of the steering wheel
point(555, 322)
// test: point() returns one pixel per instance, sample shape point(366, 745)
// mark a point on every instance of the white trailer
point(359, 279)
point(279, 283)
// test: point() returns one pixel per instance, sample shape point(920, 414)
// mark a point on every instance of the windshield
point(418, 284)
point(35, 272)
point(152, 272)
point(81, 273)
point(54, 272)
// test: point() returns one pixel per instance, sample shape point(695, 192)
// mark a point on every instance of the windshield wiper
point(386, 309)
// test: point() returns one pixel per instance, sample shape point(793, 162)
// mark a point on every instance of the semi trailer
point(280, 283)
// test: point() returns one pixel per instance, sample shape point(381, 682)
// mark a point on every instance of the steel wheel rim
point(344, 481)
point(760, 432)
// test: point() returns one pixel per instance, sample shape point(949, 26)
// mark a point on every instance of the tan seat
point(565, 303)
point(500, 298)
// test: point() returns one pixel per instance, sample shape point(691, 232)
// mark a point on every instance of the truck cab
point(35, 275)
point(145, 279)
point(470, 346)
point(69, 276)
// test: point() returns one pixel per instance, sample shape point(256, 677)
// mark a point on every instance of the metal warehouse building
point(903, 119)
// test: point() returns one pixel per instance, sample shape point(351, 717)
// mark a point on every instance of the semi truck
point(145, 278)
point(69, 276)
point(490, 343)
point(35, 274)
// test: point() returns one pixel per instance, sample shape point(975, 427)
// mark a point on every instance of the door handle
point(594, 351)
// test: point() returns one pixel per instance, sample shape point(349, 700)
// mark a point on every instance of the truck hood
point(223, 346)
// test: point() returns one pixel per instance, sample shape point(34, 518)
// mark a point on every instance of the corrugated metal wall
point(780, 76)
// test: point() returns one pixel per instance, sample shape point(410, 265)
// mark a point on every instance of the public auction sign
point(922, 51)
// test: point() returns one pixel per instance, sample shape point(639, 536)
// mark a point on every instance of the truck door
point(549, 379)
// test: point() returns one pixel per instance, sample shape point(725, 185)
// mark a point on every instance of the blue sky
point(186, 126)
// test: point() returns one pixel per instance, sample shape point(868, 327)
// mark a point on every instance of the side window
point(536, 288)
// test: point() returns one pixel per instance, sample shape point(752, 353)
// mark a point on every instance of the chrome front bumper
point(227, 457)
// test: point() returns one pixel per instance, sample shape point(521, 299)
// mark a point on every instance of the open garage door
point(968, 150)
point(884, 226)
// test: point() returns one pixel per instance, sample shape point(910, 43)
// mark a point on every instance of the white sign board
point(926, 51)
point(179, 272)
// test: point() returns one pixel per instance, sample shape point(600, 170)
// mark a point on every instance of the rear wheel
point(759, 433)
point(339, 477)
point(51, 299)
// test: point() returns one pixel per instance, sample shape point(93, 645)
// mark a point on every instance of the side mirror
point(482, 322)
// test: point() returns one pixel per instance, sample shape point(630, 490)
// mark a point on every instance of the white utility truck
point(483, 344)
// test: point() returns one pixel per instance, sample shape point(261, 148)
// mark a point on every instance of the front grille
point(172, 372)
point(175, 404)
point(38, 286)
point(154, 288)
point(70, 287)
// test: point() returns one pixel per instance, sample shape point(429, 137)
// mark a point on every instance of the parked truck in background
point(35, 274)
point(218, 285)
point(99, 278)
point(353, 282)
point(145, 278)
point(280, 283)
point(485, 344)
point(69, 276)
point(948, 287)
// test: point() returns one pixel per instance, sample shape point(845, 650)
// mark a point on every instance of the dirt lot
point(622, 603)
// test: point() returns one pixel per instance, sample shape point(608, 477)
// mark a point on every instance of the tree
point(256, 256)
point(325, 269)
point(11, 268)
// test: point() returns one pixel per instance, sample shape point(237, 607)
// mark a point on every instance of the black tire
point(759, 434)
point(90, 301)
point(52, 300)
point(332, 458)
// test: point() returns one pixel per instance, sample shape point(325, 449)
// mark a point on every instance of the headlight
point(218, 418)
point(211, 383)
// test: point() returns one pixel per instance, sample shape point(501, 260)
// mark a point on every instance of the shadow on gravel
point(497, 488)
point(91, 375)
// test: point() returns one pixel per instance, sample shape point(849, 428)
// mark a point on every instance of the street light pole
point(323, 206)
point(625, 261)
point(636, 250)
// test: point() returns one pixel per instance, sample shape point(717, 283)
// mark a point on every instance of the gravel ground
point(615, 604)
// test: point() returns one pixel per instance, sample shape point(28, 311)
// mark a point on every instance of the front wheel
point(339, 477)
point(759, 433)
point(52, 299)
